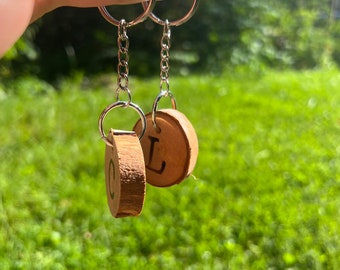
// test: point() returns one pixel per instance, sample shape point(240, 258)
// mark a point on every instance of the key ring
point(184, 19)
point(118, 104)
point(148, 7)
point(155, 105)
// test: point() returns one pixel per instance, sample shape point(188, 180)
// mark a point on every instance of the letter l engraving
point(152, 146)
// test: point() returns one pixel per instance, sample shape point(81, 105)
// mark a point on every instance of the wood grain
point(125, 174)
point(170, 152)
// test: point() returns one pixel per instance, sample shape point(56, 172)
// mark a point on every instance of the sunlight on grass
point(265, 191)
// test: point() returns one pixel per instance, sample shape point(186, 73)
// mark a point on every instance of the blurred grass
point(265, 191)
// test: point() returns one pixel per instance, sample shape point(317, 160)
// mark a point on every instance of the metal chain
point(165, 58)
point(123, 61)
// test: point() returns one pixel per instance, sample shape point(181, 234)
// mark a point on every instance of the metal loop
point(148, 7)
point(165, 67)
point(155, 105)
point(166, 82)
point(165, 50)
point(182, 20)
point(122, 31)
point(123, 82)
point(127, 91)
point(118, 104)
point(123, 44)
point(123, 67)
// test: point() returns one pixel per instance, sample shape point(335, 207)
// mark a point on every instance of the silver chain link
point(123, 60)
point(165, 58)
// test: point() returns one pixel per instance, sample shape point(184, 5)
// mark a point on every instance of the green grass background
point(264, 195)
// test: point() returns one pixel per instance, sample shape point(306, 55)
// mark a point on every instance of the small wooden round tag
point(125, 174)
point(170, 150)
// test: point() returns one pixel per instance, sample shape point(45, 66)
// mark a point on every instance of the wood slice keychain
point(124, 161)
point(170, 149)
point(124, 165)
point(124, 174)
point(170, 143)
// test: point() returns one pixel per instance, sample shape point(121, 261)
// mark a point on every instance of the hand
point(43, 6)
point(16, 15)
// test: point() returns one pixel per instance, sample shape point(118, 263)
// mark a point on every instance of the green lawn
point(265, 192)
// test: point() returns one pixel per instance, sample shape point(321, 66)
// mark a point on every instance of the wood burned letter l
point(154, 140)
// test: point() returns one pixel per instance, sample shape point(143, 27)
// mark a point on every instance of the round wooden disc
point(170, 152)
point(125, 174)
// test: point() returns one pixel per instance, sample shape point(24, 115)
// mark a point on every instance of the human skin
point(16, 15)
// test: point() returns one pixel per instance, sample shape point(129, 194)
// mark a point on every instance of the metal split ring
point(178, 22)
point(122, 104)
point(155, 105)
point(148, 7)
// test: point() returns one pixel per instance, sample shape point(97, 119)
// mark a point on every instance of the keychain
point(170, 144)
point(124, 167)
point(124, 160)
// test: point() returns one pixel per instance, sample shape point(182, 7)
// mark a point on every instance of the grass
point(264, 195)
